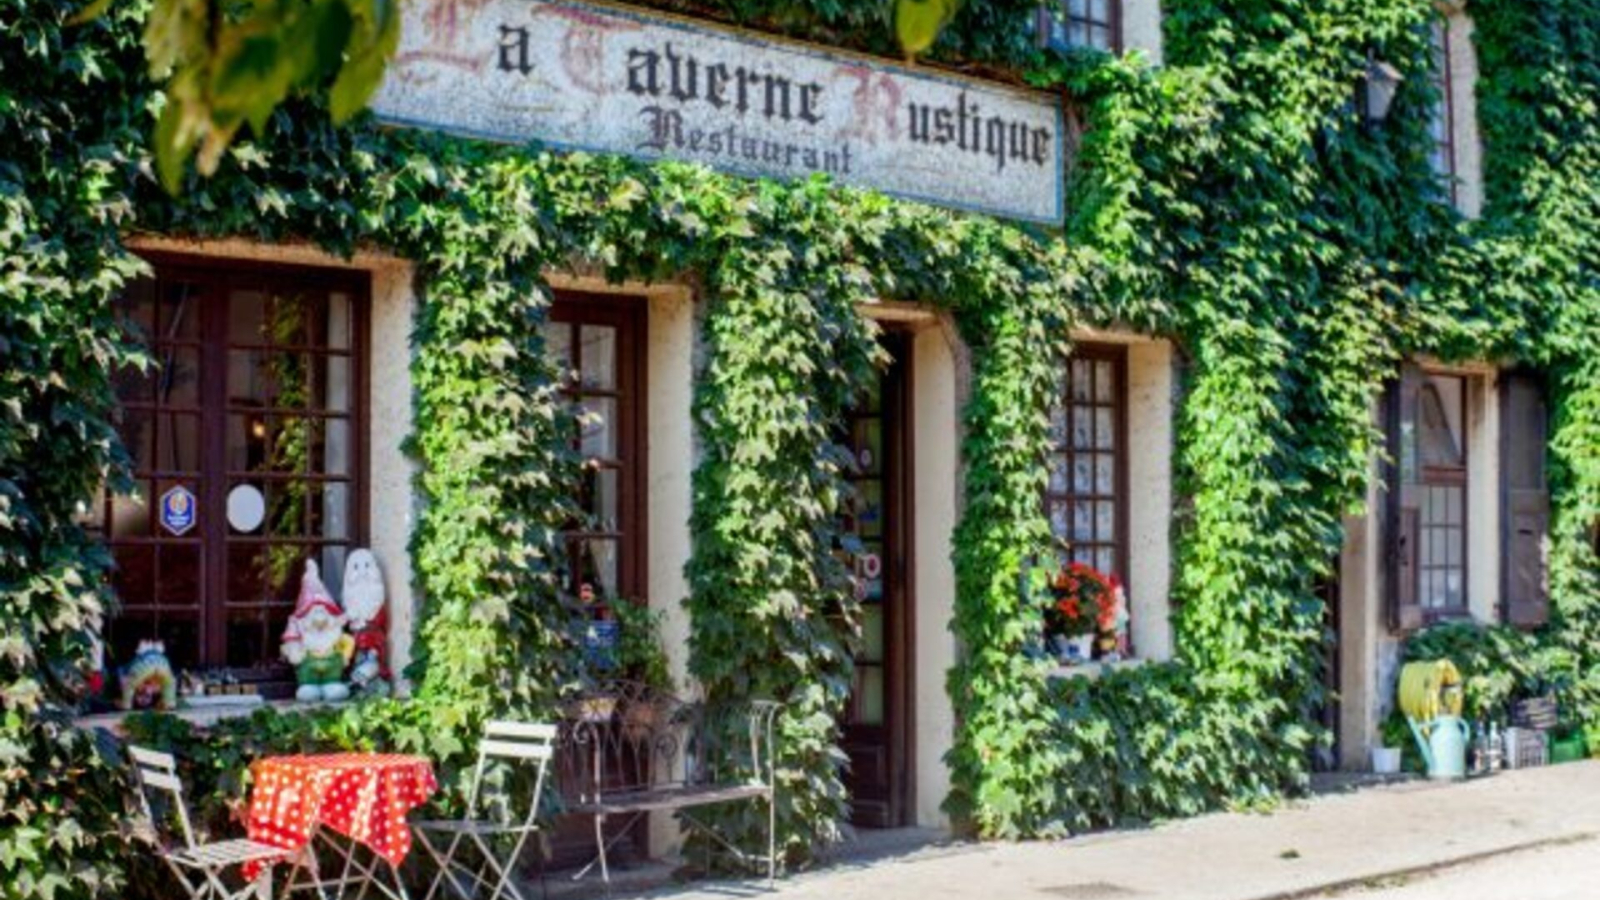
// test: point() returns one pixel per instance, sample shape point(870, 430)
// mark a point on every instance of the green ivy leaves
point(227, 67)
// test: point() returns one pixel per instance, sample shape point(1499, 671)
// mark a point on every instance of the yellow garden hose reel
point(1430, 689)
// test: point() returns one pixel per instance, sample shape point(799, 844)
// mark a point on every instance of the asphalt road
point(1564, 872)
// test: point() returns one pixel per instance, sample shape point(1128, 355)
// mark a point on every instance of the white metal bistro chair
point(516, 745)
point(199, 867)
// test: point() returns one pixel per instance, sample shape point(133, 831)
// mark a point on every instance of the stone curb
point(1362, 882)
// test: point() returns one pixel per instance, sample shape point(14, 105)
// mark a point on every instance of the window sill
point(1094, 670)
point(202, 716)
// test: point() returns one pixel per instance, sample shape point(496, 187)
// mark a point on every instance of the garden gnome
point(315, 642)
point(369, 622)
point(147, 680)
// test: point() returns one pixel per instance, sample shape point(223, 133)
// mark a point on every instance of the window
point(247, 448)
point(597, 341)
point(1096, 24)
point(1441, 450)
point(1086, 498)
point(1441, 118)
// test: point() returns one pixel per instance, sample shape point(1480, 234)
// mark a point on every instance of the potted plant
point(1083, 608)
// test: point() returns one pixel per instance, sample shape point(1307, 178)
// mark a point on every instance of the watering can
point(1443, 742)
point(1430, 697)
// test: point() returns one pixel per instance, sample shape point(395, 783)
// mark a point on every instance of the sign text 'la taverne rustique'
point(619, 81)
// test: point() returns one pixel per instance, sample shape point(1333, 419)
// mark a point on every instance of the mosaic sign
point(600, 78)
point(176, 511)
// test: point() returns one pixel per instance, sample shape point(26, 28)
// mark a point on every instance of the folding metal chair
point(198, 867)
point(516, 745)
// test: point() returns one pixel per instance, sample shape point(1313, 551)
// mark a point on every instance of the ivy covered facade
point(1192, 379)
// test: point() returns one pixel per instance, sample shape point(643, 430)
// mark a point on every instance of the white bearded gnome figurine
point(369, 622)
point(315, 642)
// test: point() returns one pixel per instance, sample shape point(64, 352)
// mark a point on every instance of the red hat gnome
point(315, 642)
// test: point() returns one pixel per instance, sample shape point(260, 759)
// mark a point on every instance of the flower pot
point(596, 709)
point(1386, 760)
point(1072, 648)
point(1568, 749)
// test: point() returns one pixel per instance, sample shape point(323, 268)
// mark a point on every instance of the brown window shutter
point(1525, 497)
point(1403, 499)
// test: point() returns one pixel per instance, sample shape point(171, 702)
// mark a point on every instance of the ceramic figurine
point(147, 680)
point(364, 603)
point(95, 679)
point(315, 642)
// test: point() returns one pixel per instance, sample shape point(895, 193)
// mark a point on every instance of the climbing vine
point(1232, 201)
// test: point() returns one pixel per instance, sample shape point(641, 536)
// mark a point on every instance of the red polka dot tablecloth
point(364, 796)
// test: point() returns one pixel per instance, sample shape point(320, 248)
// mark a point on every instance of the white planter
point(1385, 760)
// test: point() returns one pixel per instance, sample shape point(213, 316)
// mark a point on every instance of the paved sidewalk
point(1299, 851)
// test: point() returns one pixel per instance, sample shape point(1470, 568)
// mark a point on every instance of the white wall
point(1141, 27)
point(1463, 70)
point(1152, 386)
point(936, 436)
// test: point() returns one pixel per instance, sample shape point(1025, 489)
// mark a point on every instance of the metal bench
point(627, 750)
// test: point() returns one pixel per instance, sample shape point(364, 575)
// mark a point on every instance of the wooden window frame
point(1446, 145)
point(629, 314)
point(1117, 355)
point(221, 276)
point(1454, 477)
point(1044, 20)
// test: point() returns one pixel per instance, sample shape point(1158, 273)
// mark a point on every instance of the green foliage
point(225, 66)
point(1231, 201)
point(640, 654)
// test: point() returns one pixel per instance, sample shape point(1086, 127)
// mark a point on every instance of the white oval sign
point(246, 508)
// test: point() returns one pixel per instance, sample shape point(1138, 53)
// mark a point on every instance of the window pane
point(247, 318)
point(255, 635)
point(598, 498)
point(1103, 382)
point(332, 386)
point(599, 428)
point(134, 575)
point(329, 507)
point(291, 316)
point(869, 509)
point(1104, 471)
point(1059, 520)
point(1106, 521)
point(1080, 379)
point(249, 378)
point(1083, 521)
point(179, 575)
point(130, 514)
point(869, 446)
point(596, 566)
point(1082, 428)
point(336, 453)
point(869, 695)
point(599, 356)
point(1058, 474)
point(1103, 560)
point(1083, 473)
point(558, 347)
point(1103, 430)
point(178, 318)
point(177, 442)
point(339, 333)
point(872, 633)
point(1058, 426)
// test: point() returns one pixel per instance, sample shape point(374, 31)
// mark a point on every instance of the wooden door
point(877, 720)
